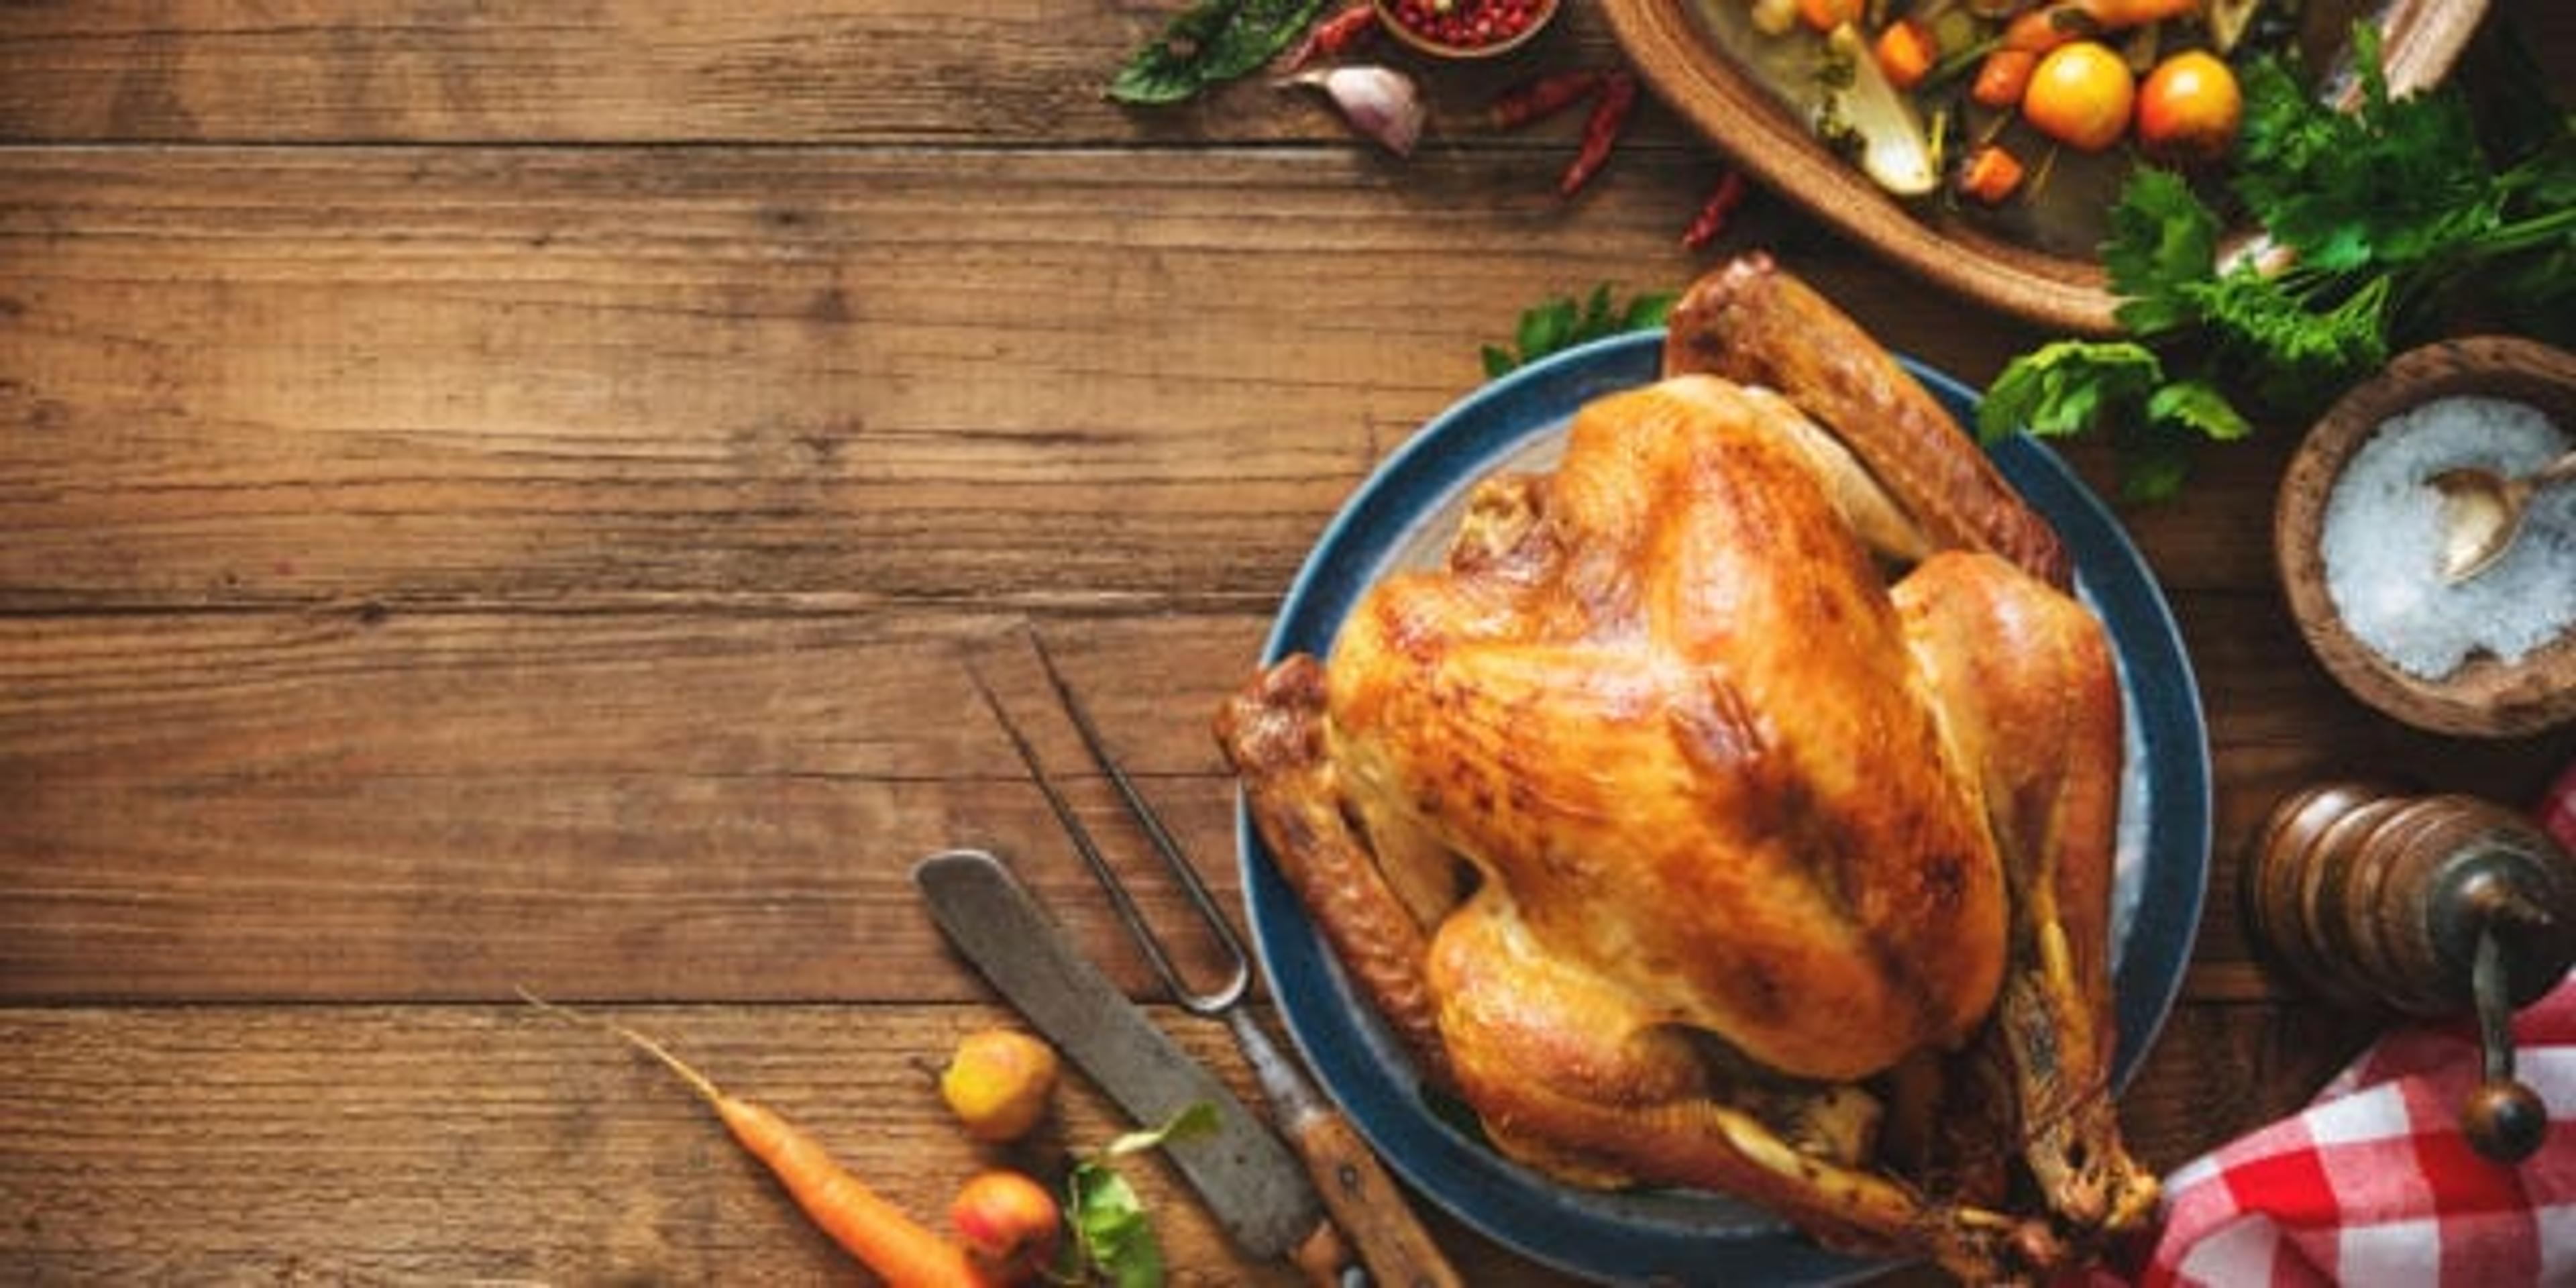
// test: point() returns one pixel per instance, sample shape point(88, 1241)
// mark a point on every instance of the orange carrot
point(2045, 28)
point(2117, 15)
point(901, 1250)
point(2050, 25)
point(1825, 15)
point(2003, 76)
point(1991, 175)
point(1905, 52)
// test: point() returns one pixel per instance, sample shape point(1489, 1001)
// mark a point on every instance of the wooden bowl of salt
point(2356, 533)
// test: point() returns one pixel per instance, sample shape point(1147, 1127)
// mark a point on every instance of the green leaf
point(1210, 42)
point(1649, 309)
point(2067, 387)
point(2292, 357)
point(2163, 237)
point(1261, 30)
point(1198, 1118)
point(1167, 68)
point(1113, 1238)
point(1546, 329)
point(2398, 181)
point(1596, 313)
point(2197, 405)
point(2391, 220)
point(1563, 323)
point(1116, 1239)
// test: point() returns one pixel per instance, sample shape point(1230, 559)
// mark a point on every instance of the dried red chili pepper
point(1337, 35)
point(1713, 213)
point(1541, 97)
point(1601, 130)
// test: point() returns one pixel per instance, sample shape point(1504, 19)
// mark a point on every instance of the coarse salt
point(2382, 540)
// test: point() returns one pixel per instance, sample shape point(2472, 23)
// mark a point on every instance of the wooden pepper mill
point(2428, 906)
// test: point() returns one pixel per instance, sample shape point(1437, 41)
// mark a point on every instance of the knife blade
point(1251, 1183)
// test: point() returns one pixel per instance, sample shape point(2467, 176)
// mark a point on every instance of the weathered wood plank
point(362, 805)
point(494, 1144)
point(638, 807)
point(702, 71)
point(491, 1143)
point(763, 71)
point(563, 378)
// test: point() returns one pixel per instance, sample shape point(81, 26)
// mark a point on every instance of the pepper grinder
point(2425, 905)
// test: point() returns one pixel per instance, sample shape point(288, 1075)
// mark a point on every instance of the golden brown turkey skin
point(1680, 731)
point(1754, 324)
point(1674, 838)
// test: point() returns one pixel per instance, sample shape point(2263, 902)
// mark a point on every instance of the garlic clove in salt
point(1380, 102)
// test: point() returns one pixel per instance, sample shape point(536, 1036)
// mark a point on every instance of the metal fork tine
point(1152, 824)
point(1238, 977)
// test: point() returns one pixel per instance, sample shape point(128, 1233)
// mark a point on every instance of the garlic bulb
point(1380, 102)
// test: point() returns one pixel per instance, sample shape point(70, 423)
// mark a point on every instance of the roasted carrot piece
point(2117, 15)
point(1991, 175)
point(1825, 15)
point(1905, 53)
point(886, 1239)
point(2003, 76)
point(2045, 28)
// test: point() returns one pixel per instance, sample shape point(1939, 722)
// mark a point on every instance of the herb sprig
point(2379, 220)
point(1210, 42)
point(1561, 323)
point(1114, 1242)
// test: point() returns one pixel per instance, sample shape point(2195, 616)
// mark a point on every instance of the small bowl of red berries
point(1466, 28)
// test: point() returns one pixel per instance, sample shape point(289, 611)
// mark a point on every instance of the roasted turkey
point(1734, 809)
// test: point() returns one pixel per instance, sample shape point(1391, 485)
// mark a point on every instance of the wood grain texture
point(699, 71)
point(567, 376)
point(362, 803)
point(494, 1144)
point(498, 494)
point(489, 1142)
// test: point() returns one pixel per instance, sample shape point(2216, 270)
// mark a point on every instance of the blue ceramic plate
point(1404, 515)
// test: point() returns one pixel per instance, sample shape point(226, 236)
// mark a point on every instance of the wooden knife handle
point(1372, 1213)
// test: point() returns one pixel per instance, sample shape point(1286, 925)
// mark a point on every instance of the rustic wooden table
point(497, 495)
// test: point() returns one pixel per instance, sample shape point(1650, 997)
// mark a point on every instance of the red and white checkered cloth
point(2373, 1183)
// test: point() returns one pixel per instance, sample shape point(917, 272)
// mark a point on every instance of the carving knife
point(1254, 1187)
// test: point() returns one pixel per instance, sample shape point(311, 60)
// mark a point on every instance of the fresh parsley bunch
point(2379, 222)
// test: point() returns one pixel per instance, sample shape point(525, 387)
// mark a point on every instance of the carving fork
point(1355, 1187)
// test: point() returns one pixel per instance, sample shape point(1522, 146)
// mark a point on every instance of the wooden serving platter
point(1725, 102)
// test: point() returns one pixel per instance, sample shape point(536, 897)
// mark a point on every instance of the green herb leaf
point(1596, 312)
point(1110, 1227)
point(2163, 237)
point(1195, 1119)
point(2290, 356)
point(1648, 310)
point(1563, 323)
point(1113, 1238)
point(2386, 219)
point(2198, 405)
point(1546, 329)
point(1210, 42)
point(2062, 388)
